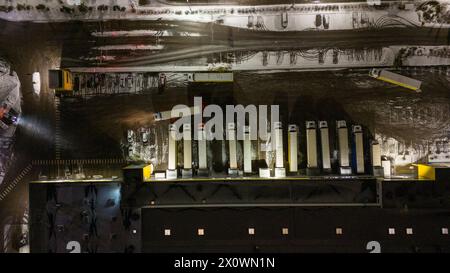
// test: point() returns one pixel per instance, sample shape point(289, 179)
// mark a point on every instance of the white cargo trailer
point(359, 148)
point(202, 152)
point(171, 172)
point(293, 147)
point(311, 144)
point(211, 77)
point(396, 79)
point(325, 144)
point(247, 150)
point(344, 161)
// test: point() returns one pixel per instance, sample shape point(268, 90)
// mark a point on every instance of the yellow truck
point(137, 173)
point(61, 81)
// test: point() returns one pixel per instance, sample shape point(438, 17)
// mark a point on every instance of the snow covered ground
point(314, 59)
point(298, 17)
point(9, 95)
point(336, 58)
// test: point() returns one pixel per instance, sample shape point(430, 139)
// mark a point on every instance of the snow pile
point(9, 97)
point(9, 87)
point(283, 17)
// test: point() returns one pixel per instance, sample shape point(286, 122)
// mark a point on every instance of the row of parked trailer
point(319, 155)
point(68, 83)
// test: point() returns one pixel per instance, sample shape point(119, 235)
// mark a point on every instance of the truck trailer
point(396, 79)
point(211, 77)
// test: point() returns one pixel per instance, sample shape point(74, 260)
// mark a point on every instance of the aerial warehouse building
point(359, 149)
point(344, 161)
point(202, 153)
point(171, 172)
point(325, 145)
point(233, 168)
point(247, 151)
point(280, 171)
point(311, 148)
point(187, 151)
point(293, 148)
point(377, 168)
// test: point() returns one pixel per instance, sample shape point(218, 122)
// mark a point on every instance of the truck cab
point(375, 73)
point(61, 81)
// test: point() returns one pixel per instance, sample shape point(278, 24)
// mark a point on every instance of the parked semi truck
point(61, 81)
point(396, 79)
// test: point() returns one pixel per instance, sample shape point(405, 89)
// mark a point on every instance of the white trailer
point(325, 144)
point(280, 171)
point(293, 147)
point(187, 146)
point(344, 161)
point(377, 168)
point(171, 172)
point(247, 150)
point(202, 152)
point(206, 77)
point(232, 146)
point(279, 157)
point(359, 148)
point(376, 154)
point(396, 79)
point(186, 172)
point(311, 144)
